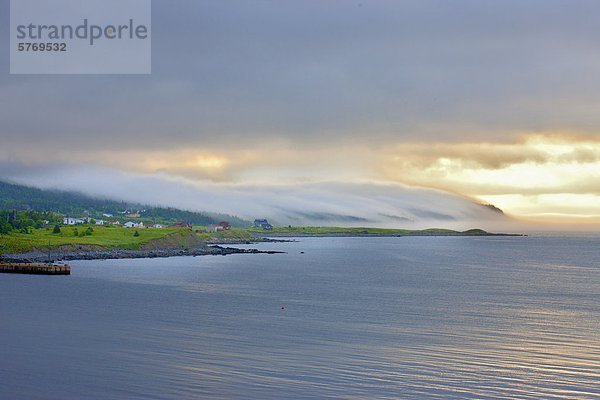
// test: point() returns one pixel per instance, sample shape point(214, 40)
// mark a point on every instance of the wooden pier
point(35, 269)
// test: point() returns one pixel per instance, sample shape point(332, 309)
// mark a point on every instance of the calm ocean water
point(364, 318)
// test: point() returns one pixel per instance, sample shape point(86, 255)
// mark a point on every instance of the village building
point(225, 225)
point(220, 227)
point(264, 224)
point(73, 221)
point(213, 228)
point(131, 224)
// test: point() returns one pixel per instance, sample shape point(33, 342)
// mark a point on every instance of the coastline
point(165, 249)
point(106, 254)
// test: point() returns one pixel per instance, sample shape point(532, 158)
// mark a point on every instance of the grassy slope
point(110, 238)
point(106, 237)
point(234, 233)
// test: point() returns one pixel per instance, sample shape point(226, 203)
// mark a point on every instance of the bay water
point(338, 318)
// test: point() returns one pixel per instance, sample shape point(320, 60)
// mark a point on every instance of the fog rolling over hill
point(317, 204)
point(19, 198)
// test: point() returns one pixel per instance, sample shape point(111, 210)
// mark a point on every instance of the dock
point(35, 269)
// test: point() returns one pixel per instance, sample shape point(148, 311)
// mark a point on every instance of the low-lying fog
point(320, 204)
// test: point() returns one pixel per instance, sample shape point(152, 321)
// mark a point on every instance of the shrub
point(136, 234)
point(56, 229)
point(5, 228)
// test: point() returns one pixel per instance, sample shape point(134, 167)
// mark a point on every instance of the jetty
point(34, 269)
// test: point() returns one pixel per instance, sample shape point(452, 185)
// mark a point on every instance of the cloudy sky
point(495, 101)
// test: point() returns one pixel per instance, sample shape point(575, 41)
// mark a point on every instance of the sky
point(479, 101)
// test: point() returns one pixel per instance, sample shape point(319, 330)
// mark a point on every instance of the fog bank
point(320, 204)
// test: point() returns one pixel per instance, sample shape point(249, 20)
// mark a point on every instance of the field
point(234, 233)
point(108, 237)
point(123, 238)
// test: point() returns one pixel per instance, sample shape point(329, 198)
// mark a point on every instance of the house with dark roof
point(220, 227)
point(264, 224)
point(225, 225)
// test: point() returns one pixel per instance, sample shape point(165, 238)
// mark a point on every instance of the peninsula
point(109, 242)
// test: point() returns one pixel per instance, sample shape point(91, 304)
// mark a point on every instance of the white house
point(131, 224)
point(73, 221)
point(159, 226)
point(213, 228)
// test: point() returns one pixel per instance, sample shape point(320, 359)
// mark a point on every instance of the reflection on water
point(363, 318)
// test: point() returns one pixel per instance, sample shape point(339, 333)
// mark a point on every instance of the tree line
point(24, 221)
point(18, 197)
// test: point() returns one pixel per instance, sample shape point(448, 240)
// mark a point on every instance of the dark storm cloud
point(235, 73)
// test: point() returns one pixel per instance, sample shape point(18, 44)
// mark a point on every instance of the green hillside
point(20, 198)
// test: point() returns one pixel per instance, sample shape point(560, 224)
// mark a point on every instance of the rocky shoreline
point(102, 254)
point(255, 239)
point(197, 248)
